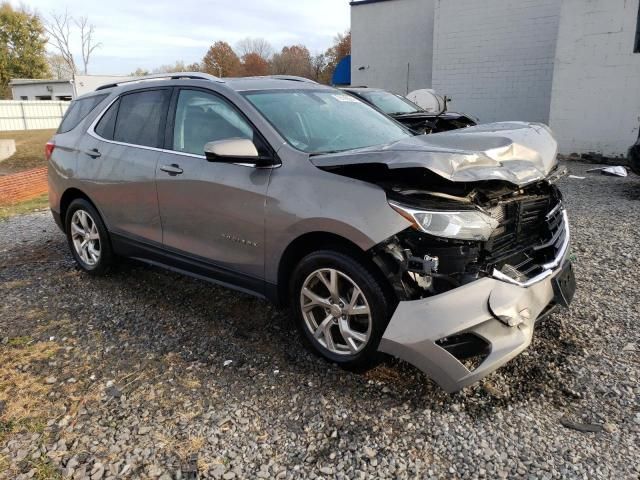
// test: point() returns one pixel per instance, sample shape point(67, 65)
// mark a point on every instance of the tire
point(342, 339)
point(88, 238)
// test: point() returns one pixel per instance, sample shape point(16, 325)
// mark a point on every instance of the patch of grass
point(23, 394)
point(29, 150)
point(183, 449)
point(45, 470)
point(19, 341)
point(203, 465)
point(191, 383)
point(31, 425)
point(27, 206)
point(34, 425)
point(4, 464)
point(5, 429)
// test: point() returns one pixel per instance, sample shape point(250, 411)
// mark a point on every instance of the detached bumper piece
point(460, 336)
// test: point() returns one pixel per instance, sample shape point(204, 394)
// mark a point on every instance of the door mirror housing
point(235, 150)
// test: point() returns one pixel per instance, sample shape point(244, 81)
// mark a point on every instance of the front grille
point(531, 234)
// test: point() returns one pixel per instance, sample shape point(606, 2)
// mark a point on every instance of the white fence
point(31, 115)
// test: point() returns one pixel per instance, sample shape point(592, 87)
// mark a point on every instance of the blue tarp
point(342, 73)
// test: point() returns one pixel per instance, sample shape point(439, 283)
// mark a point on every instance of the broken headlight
point(459, 224)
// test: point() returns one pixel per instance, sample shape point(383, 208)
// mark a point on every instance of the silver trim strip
point(548, 267)
point(554, 210)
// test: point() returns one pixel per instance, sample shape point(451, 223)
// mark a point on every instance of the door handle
point(93, 153)
point(173, 169)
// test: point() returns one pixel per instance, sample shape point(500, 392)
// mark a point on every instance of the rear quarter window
point(141, 117)
point(78, 110)
point(107, 123)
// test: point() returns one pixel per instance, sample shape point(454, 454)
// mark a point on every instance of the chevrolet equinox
point(443, 250)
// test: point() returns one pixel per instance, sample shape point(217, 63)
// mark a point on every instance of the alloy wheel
point(85, 237)
point(335, 311)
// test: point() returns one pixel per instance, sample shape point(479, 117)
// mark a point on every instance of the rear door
point(119, 159)
point(212, 212)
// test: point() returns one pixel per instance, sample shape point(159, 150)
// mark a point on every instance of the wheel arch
point(317, 240)
point(71, 194)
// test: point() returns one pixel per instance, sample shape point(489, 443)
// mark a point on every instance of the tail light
point(48, 149)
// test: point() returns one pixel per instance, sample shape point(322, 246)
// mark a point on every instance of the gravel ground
point(148, 374)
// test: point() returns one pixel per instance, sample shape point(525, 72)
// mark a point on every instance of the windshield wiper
point(328, 152)
point(405, 113)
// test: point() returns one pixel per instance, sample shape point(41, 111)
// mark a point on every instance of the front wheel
point(88, 238)
point(340, 307)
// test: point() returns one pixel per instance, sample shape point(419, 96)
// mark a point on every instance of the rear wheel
point(340, 307)
point(88, 238)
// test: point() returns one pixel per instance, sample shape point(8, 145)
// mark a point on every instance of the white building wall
point(595, 104)
point(33, 90)
point(386, 37)
point(88, 83)
point(495, 57)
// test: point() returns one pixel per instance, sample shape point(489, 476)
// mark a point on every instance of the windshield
point(390, 103)
point(323, 121)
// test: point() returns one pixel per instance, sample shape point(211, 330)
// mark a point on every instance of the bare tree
point(86, 36)
point(259, 46)
point(59, 30)
point(59, 67)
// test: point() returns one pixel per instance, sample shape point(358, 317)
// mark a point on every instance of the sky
point(149, 34)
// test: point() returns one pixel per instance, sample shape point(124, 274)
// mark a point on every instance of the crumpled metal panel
point(416, 326)
point(516, 152)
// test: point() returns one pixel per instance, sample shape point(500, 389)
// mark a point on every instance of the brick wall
point(595, 104)
point(23, 185)
point(495, 58)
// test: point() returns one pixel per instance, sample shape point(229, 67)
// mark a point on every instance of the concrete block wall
point(595, 103)
point(495, 57)
point(388, 35)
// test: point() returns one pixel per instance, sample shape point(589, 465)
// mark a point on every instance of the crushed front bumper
point(483, 309)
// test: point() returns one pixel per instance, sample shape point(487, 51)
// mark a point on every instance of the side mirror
point(235, 150)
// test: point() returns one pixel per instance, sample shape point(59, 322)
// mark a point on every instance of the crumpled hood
point(516, 152)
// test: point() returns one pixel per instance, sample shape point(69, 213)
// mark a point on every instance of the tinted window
point(320, 121)
point(201, 118)
point(141, 116)
point(78, 110)
point(107, 123)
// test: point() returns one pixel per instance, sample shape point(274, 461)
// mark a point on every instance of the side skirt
point(188, 265)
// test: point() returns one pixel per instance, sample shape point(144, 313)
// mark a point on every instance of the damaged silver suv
point(443, 250)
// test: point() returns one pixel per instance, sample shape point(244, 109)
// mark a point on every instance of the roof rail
point(293, 78)
point(165, 76)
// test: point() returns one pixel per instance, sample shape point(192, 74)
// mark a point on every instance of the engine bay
point(419, 265)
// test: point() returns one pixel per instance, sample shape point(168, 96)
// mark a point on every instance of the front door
point(211, 212)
